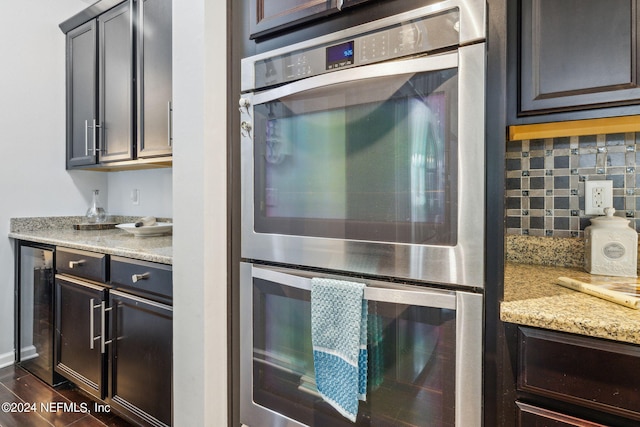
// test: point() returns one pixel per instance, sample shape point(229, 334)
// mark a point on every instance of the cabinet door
point(78, 352)
point(154, 82)
point(141, 359)
point(268, 16)
point(577, 54)
point(116, 84)
point(81, 95)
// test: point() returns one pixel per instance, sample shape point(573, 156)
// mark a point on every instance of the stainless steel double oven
point(363, 159)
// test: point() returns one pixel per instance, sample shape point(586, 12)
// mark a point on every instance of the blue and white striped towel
point(339, 338)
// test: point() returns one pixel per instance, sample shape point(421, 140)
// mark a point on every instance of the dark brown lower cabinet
point(78, 355)
point(571, 380)
point(141, 359)
point(114, 337)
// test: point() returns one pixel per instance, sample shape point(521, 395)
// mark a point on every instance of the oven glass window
point(411, 367)
point(371, 160)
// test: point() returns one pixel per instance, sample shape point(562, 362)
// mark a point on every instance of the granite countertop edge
point(112, 242)
point(532, 298)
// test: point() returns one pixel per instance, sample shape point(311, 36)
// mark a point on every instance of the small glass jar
point(611, 246)
point(96, 213)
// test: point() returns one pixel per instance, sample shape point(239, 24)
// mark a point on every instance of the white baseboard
point(7, 359)
point(28, 352)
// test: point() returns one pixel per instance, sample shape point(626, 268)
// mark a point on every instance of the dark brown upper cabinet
point(119, 89)
point(115, 127)
point(155, 133)
point(81, 94)
point(99, 89)
point(577, 55)
point(270, 16)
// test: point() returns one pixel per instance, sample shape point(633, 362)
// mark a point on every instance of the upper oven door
point(376, 169)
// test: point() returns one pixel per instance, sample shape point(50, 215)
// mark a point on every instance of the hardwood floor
point(25, 401)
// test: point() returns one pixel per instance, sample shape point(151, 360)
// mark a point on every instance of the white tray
point(147, 231)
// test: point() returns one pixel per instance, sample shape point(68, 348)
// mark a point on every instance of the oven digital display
point(340, 55)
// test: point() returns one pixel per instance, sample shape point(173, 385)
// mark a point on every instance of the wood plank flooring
point(25, 401)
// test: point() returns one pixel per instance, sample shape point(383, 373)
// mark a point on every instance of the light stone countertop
point(59, 231)
point(532, 298)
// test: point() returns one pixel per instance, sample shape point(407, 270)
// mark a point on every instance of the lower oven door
point(424, 345)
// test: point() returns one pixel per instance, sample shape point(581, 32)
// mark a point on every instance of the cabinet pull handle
point(76, 264)
point(96, 126)
point(169, 124)
point(103, 311)
point(92, 307)
point(143, 276)
point(91, 323)
point(86, 138)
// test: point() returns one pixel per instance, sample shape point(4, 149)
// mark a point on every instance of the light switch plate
point(135, 196)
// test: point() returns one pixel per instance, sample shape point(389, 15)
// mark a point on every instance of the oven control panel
point(414, 37)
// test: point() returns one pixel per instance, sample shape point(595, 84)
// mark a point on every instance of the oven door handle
point(426, 298)
point(385, 69)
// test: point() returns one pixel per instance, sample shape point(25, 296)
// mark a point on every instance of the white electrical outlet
point(597, 196)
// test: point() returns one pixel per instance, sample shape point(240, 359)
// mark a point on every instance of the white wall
point(154, 187)
point(200, 234)
point(33, 180)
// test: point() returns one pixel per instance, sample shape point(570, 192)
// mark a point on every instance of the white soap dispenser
point(611, 246)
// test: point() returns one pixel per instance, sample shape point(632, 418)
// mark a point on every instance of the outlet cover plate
point(597, 196)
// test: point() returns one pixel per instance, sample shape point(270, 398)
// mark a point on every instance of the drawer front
point(533, 416)
point(147, 279)
point(83, 264)
point(589, 372)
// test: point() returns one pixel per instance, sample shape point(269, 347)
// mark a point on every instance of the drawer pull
point(143, 276)
point(76, 264)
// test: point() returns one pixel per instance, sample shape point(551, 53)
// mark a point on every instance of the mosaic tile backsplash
point(545, 181)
